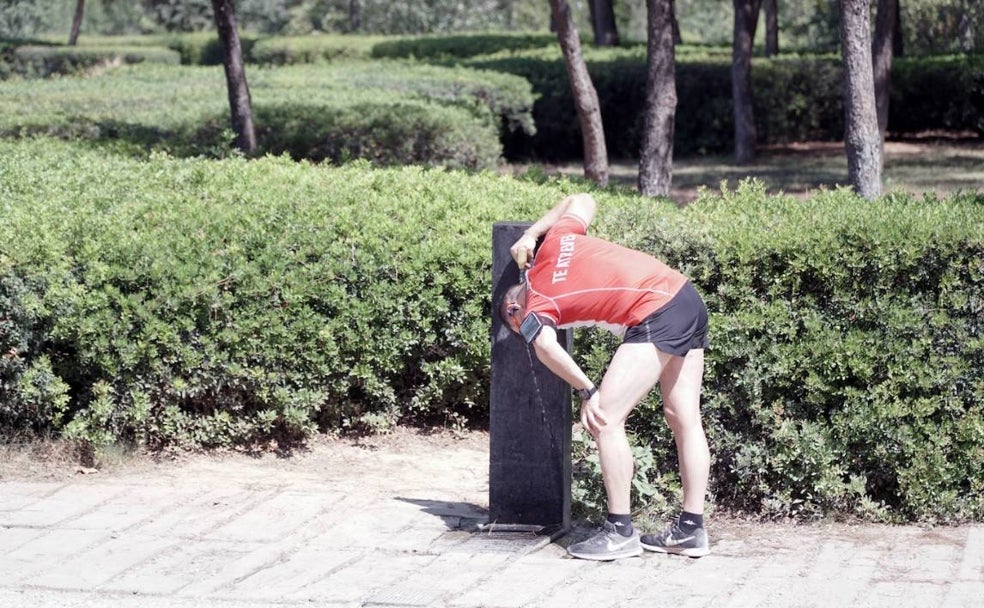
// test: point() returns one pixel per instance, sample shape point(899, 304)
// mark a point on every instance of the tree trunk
point(898, 48)
point(656, 157)
point(771, 28)
point(603, 22)
point(862, 140)
point(585, 95)
point(355, 15)
point(746, 16)
point(73, 37)
point(677, 38)
point(882, 56)
point(240, 105)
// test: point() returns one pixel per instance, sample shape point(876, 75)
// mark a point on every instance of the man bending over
point(577, 280)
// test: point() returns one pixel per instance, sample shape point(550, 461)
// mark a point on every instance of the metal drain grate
point(516, 540)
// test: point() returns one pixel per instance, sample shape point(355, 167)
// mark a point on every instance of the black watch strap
point(586, 393)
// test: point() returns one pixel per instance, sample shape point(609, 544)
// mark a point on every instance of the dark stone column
point(530, 415)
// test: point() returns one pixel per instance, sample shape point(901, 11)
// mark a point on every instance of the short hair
point(509, 297)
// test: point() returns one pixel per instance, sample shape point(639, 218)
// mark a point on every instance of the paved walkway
point(269, 536)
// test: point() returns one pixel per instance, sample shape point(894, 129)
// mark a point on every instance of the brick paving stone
point(600, 585)
point(45, 552)
point(371, 573)
point(770, 579)
point(65, 503)
point(13, 538)
point(126, 509)
point(249, 544)
point(377, 526)
point(964, 594)
point(290, 574)
point(972, 564)
point(442, 579)
point(18, 494)
point(103, 562)
point(522, 583)
point(406, 594)
point(896, 594)
point(201, 511)
point(273, 519)
point(181, 566)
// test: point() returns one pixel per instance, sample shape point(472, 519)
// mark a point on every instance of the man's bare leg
point(632, 373)
point(681, 385)
point(681, 382)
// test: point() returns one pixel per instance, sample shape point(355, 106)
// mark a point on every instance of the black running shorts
point(676, 328)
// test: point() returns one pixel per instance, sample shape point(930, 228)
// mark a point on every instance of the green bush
point(211, 303)
point(46, 61)
point(796, 98)
point(394, 133)
point(214, 303)
point(458, 46)
point(846, 368)
point(937, 93)
point(292, 50)
point(394, 113)
point(199, 48)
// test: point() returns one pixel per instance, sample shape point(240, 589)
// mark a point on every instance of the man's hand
point(592, 417)
point(522, 251)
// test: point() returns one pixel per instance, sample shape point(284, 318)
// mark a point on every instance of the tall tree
point(771, 8)
point(603, 22)
point(354, 15)
point(898, 47)
point(585, 95)
point(677, 38)
point(746, 16)
point(240, 104)
point(73, 37)
point(862, 139)
point(656, 157)
point(881, 52)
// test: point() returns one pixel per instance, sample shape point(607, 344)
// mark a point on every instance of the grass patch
point(939, 166)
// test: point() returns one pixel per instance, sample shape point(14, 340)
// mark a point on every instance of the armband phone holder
point(531, 327)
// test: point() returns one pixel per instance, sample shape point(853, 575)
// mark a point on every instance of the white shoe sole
point(607, 557)
point(692, 552)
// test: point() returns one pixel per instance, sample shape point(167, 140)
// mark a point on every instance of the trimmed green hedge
point(199, 48)
point(44, 61)
point(846, 370)
point(463, 46)
point(388, 112)
point(212, 303)
point(796, 98)
point(292, 50)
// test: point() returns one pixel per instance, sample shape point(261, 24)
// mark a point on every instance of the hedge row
point(44, 61)
point(393, 113)
point(796, 98)
point(209, 303)
point(846, 370)
point(216, 303)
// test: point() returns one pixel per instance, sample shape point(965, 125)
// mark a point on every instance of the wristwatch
point(586, 393)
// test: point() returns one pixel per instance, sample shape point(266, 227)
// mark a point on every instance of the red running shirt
point(579, 280)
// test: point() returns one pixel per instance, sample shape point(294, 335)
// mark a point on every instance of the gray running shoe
point(675, 540)
point(607, 545)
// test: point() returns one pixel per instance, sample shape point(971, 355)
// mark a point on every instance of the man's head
point(512, 307)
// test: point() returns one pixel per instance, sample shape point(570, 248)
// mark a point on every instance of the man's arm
point(557, 360)
point(581, 205)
